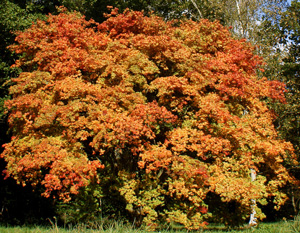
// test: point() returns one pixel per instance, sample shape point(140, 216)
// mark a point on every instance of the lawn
point(115, 227)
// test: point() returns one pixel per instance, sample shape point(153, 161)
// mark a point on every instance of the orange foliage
point(176, 112)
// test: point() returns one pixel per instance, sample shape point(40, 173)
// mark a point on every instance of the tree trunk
point(252, 221)
point(197, 8)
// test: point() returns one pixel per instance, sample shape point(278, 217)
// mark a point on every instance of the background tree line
point(272, 26)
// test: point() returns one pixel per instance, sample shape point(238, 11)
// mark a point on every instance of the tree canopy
point(289, 121)
point(170, 116)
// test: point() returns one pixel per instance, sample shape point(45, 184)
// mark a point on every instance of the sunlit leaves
point(164, 115)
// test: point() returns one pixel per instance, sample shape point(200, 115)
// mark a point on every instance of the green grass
point(117, 227)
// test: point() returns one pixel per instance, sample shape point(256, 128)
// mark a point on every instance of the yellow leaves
point(69, 174)
point(280, 199)
point(139, 64)
point(232, 186)
point(128, 191)
point(30, 82)
point(155, 158)
point(188, 180)
point(174, 112)
point(178, 189)
point(193, 222)
point(200, 36)
point(184, 140)
point(142, 197)
point(72, 86)
point(168, 85)
point(68, 170)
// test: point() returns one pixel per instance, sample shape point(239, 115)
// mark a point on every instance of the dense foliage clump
point(164, 119)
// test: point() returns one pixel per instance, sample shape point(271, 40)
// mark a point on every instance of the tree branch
point(195, 5)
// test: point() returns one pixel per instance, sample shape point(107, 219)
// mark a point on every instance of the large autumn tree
point(165, 119)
